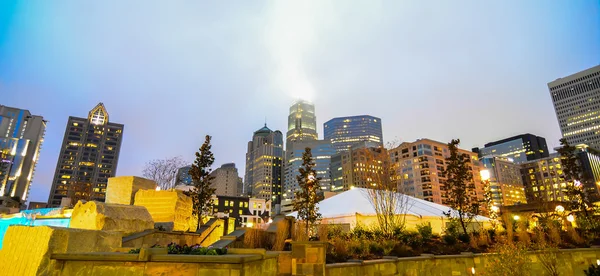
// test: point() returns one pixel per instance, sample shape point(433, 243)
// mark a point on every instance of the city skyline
point(503, 85)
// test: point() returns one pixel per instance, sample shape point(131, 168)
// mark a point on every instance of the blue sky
point(175, 71)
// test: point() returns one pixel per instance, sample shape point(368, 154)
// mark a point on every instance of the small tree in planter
point(307, 198)
point(202, 192)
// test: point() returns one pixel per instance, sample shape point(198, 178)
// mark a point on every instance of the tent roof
point(356, 200)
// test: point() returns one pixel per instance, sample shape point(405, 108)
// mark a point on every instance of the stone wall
point(95, 215)
point(167, 207)
point(121, 189)
point(27, 250)
point(570, 262)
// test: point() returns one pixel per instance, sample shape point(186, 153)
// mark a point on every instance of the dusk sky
point(173, 71)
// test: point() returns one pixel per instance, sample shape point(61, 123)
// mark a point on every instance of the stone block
point(27, 250)
point(121, 189)
point(95, 215)
point(167, 207)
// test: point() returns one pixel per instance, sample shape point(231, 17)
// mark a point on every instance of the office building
point(89, 155)
point(576, 101)
point(226, 180)
point(505, 181)
point(302, 122)
point(419, 170)
point(544, 179)
point(361, 166)
point(519, 149)
point(321, 151)
point(21, 138)
point(343, 132)
point(264, 162)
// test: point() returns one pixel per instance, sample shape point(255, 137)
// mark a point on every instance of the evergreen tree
point(202, 191)
point(460, 188)
point(579, 199)
point(306, 198)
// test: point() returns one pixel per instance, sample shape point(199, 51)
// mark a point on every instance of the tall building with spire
point(264, 161)
point(21, 138)
point(302, 122)
point(88, 157)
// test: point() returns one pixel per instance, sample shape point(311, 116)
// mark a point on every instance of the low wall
point(570, 262)
point(162, 264)
point(153, 237)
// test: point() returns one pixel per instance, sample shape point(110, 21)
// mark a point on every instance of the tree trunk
point(462, 222)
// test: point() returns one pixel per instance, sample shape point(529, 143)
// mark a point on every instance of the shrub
point(401, 250)
point(411, 238)
point(450, 240)
point(425, 231)
point(593, 270)
point(134, 251)
point(337, 250)
point(174, 248)
point(466, 238)
point(511, 259)
point(281, 234)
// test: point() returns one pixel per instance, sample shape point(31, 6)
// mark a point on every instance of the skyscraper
point(576, 101)
point(321, 151)
point(420, 167)
point(226, 180)
point(343, 132)
point(302, 122)
point(88, 157)
point(264, 162)
point(519, 149)
point(21, 138)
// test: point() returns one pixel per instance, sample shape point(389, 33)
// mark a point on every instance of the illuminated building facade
point(88, 157)
point(302, 122)
point(544, 179)
point(519, 149)
point(343, 132)
point(419, 170)
point(321, 151)
point(360, 166)
point(264, 162)
point(505, 181)
point(226, 180)
point(21, 138)
point(576, 101)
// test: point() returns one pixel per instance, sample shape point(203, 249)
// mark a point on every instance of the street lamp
point(516, 217)
point(559, 209)
point(570, 218)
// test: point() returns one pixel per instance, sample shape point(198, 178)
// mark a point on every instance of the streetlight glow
point(570, 218)
point(559, 209)
point(516, 217)
point(485, 175)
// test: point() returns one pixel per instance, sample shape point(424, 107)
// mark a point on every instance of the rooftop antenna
point(265, 121)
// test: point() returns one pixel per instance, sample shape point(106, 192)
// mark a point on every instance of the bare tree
point(382, 191)
point(164, 171)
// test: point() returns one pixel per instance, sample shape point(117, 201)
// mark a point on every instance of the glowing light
point(158, 188)
point(249, 224)
point(570, 218)
point(559, 209)
point(516, 217)
point(352, 187)
point(598, 262)
point(270, 220)
point(495, 209)
point(473, 270)
point(485, 175)
point(577, 183)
